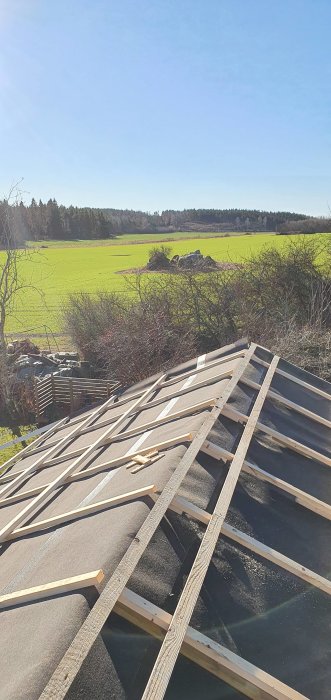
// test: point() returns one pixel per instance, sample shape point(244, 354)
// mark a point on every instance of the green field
point(6, 435)
point(136, 238)
point(89, 266)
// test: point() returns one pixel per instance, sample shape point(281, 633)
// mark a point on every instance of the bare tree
point(13, 252)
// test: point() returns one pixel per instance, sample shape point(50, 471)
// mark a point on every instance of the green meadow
point(65, 266)
point(137, 238)
point(6, 435)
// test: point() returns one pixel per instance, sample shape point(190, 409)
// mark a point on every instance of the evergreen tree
point(54, 223)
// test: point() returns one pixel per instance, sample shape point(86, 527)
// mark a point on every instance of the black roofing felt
point(256, 609)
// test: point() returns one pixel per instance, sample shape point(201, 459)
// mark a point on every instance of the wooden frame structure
point(177, 636)
point(71, 391)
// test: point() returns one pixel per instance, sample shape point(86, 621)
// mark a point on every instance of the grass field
point(65, 267)
point(7, 436)
point(136, 238)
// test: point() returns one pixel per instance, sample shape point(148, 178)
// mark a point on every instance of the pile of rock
point(193, 261)
point(28, 361)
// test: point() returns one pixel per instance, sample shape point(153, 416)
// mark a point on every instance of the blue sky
point(155, 104)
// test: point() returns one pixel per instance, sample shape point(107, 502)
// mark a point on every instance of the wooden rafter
point(29, 449)
point(274, 396)
point(174, 631)
point(202, 650)
point(181, 505)
point(302, 497)
point(163, 385)
point(108, 436)
point(81, 512)
point(89, 631)
point(40, 499)
point(296, 380)
point(57, 447)
point(292, 444)
point(103, 466)
point(161, 673)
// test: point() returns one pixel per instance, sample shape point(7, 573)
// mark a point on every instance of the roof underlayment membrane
point(198, 504)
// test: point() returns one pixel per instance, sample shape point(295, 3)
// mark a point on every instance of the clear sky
point(155, 104)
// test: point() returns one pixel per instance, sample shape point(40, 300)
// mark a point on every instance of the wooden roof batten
point(89, 631)
point(177, 636)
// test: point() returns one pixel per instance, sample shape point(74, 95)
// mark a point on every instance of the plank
point(164, 385)
point(64, 387)
point(161, 420)
point(301, 497)
point(145, 459)
point(141, 466)
point(274, 396)
point(63, 390)
point(292, 444)
point(29, 448)
point(202, 650)
point(44, 403)
point(47, 391)
point(77, 513)
point(38, 500)
point(166, 659)
point(64, 381)
point(209, 365)
point(41, 388)
point(181, 505)
point(151, 404)
point(47, 396)
point(49, 590)
point(193, 371)
point(296, 380)
point(97, 468)
point(71, 662)
point(58, 446)
point(27, 436)
point(277, 558)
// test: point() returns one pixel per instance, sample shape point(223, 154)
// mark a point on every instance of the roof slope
point(174, 541)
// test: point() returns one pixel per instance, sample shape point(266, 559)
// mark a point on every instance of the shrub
point(285, 287)
point(142, 344)
point(308, 346)
point(88, 317)
point(159, 258)
point(281, 299)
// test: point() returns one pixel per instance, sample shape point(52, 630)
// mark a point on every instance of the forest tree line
point(307, 225)
point(37, 222)
point(49, 221)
